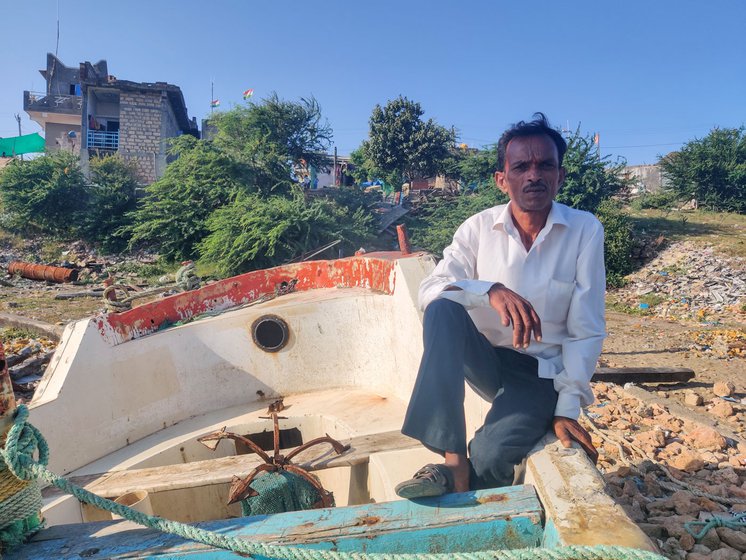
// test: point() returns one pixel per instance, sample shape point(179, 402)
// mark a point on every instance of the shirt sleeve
point(586, 328)
point(457, 269)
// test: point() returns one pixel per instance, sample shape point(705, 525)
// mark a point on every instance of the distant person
point(515, 309)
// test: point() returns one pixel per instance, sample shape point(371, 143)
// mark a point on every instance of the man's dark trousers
point(522, 402)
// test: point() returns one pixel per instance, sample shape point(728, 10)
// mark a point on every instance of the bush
point(434, 223)
point(257, 232)
point(664, 199)
point(111, 197)
point(711, 170)
point(618, 241)
point(46, 194)
point(590, 178)
point(174, 213)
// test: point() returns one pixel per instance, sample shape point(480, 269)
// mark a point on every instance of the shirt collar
point(557, 216)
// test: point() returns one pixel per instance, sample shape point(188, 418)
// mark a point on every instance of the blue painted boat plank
point(502, 518)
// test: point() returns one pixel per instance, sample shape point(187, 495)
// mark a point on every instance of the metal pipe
point(404, 246)
point(43, 272)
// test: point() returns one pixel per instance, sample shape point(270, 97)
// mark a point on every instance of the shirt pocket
point(559, 295)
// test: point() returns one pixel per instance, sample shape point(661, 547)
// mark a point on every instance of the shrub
point(257, 232)
point(711, 170)
point(618, 241)
point(46, 194)
point(174, 213)
point(111, 197)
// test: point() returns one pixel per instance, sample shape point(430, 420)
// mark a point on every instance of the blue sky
point(646, 75)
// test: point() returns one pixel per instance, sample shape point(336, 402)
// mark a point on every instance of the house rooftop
point(91, 76)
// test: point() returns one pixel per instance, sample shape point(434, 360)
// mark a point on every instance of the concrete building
point(645, 178)
point(91, 112)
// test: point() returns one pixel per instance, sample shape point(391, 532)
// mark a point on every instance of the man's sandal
point(430, 480)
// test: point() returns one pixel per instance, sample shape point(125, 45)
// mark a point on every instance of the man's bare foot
point(459, 466)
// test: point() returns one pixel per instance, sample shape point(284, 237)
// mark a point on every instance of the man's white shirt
point(562, 276)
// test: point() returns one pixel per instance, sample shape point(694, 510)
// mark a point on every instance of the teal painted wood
point(488, 519)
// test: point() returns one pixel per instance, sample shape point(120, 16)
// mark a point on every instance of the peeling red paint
point(374, 271)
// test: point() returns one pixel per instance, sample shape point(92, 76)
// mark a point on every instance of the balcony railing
point(103, 140)
point(52, 103)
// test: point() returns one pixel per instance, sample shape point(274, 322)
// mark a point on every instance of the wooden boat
point(127, 397)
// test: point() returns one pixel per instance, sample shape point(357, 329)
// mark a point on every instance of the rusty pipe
point(401, 233)
point(43, 272)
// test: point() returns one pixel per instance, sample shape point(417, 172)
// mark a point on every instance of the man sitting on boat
point(515, 308)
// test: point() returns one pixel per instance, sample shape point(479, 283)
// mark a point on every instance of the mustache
point(535, 185)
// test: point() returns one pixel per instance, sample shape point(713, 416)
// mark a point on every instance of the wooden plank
point(483, 520)
point(221, 470)
point(643, 375)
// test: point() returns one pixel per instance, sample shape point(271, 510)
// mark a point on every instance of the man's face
point(532, 175)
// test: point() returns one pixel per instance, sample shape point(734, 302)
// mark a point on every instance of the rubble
point(687, 282)
point(668, 472)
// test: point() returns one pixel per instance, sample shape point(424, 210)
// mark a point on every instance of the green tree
point(174, 213)
point(111, 198)
point(273, 136)
point(257, 232)
point(590, 178)
point(45, 194)
point(401, 146)
point(711, 170)
point(476, 168)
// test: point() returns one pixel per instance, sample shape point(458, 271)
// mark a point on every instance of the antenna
point(57, 46)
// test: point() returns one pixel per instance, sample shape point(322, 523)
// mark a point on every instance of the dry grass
point(725, 231)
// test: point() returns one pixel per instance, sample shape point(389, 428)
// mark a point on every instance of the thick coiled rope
point(23, 439)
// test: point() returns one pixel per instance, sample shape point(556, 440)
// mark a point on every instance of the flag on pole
point(215, 103)
point(248, 93)
point(596, 139)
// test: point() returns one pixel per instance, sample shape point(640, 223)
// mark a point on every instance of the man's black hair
point(537, 127)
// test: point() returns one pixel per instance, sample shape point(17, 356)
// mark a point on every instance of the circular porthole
point(270, 333)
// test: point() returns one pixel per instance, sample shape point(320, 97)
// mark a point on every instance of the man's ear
point(500, 181)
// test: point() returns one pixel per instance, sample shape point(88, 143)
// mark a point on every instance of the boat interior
point(127, 398)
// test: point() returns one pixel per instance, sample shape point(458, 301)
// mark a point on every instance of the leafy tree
point(46, 193)
point(401, 146)
point(711, 170)
point(272, 136)
point(590, 178)
point(257, 232)
point(111, 198)
point(176, 208)
point(476, 168)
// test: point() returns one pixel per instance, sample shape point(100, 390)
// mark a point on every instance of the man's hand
point(518, 311)
point(567, 430)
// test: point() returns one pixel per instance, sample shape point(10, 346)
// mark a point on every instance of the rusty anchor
point(240, 488)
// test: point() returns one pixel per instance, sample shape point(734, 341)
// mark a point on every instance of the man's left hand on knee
point(568, 430)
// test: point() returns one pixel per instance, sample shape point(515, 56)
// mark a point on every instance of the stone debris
point(688, 282)
point(667, 471)
point(27, 358)
point(723, 388)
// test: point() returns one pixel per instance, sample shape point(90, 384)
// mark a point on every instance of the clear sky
point(647, 75)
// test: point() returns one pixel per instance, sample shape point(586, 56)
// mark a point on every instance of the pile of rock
point(687, 282)
point(27, 358)
point(666, 472)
